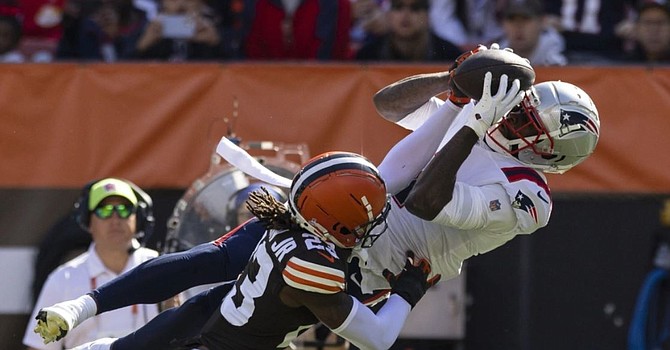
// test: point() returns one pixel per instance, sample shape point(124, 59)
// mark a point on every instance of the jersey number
point(313, 242)
point(239, 308)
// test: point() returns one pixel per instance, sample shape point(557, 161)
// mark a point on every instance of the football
point(469, 75)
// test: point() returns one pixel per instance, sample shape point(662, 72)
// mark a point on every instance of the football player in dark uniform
point(296, 275)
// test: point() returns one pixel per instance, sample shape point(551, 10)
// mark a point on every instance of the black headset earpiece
point(145, 215)
point(81, 212)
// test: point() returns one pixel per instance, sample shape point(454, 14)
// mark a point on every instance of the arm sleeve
point(478, 208)
point(413, 120)
point(368, 330)
point(409, 156)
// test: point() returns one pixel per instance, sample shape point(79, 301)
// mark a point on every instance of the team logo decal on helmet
point(340, 197)
point(570, 119)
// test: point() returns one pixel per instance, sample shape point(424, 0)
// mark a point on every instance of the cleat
point(50, 326)
point(55, 321)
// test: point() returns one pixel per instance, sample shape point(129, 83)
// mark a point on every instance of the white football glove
point(489, 109)
point(55, 321)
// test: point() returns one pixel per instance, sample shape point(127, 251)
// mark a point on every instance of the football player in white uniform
point(485, 184)
point(483, 187)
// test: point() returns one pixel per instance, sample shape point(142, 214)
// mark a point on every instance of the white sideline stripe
point(16, 273)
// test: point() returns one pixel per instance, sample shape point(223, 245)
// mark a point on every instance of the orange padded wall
point(157, 124)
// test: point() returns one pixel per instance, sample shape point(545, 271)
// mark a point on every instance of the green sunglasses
point(106, 211)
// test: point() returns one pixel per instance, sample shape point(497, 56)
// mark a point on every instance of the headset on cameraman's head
point(144, 213)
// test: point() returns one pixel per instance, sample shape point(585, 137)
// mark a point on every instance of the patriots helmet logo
point(572, 120)
point(523, 202)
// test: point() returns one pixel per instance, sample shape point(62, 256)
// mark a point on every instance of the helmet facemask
point(526, 127)
point(364, 233)
point(555, 127)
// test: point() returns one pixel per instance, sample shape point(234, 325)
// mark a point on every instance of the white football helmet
point(340, 197)
point(560, 128)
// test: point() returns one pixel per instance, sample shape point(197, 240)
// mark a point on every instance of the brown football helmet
point(340, 197)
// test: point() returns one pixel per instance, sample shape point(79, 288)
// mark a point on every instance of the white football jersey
point(495, 198)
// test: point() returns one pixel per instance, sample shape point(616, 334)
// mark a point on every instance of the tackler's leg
point(170, 274)
point(156, 280)
point(185, 321)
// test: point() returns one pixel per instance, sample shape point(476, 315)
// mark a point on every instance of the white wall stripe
point(16, 273)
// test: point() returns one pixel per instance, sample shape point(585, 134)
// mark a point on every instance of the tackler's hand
point(412, 282)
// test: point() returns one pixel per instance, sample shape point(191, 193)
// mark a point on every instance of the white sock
point(76, 311)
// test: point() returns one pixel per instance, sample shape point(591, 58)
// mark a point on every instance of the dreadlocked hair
point(271, 213)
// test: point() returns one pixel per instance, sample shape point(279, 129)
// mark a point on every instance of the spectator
point(149, 7)
point(114, 212)
point(104, 30)
point(10, 35)
point(42, 27)
point(368, 21)
point(183, 30)
point(590, 27)
point(410, 37)
point(652, 33)
point(526, 34)
point(299, 29)
point(235, 16)
point(466, 23)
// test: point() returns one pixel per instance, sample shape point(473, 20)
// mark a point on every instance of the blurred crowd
point(547, 32)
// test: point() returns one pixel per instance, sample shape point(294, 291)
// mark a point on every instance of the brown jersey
point(254, 317)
